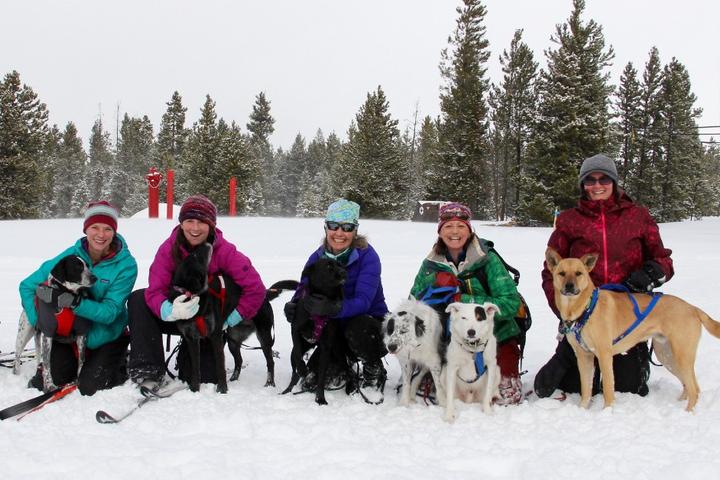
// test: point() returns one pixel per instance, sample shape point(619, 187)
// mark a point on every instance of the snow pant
point(147, 356)
point(632, 370)
point(104, 367)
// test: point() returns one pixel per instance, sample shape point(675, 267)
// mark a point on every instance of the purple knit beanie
point(198, 207)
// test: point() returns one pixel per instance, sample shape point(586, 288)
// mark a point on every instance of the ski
point(34, 404)
point(8, 359)
point(148, 395)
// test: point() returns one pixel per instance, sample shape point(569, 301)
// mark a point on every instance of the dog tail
point(277, 288)
point(710, 325)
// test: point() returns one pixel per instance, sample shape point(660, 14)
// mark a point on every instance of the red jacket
point(621, 232)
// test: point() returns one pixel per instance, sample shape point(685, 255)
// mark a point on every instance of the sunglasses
point(459, 214)
point(345, 227)
point(590, 181)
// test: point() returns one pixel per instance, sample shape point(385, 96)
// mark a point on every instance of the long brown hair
point(181, 244)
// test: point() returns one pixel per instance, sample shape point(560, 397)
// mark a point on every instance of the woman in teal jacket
point(106, 252)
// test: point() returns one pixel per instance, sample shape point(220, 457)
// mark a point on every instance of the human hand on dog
point(57, 299)
point(322, 306)
point(233, 319)
point(289, 310)
point(644, 280)
point(179, 309)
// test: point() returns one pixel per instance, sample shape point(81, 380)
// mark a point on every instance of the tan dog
point(673, 324)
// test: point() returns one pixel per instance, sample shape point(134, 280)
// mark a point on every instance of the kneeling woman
point(363, 307)
point(106, 252)
point(152, 314)
point(458, 260)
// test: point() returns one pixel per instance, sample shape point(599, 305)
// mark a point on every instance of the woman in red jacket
point(607, 222)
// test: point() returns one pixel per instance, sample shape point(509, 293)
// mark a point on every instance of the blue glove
point(233, 319)
point(179, 309)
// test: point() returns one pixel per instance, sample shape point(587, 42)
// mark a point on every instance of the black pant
point(147, 358)
point(631, 371)
point(361, 340)
point(104, 367)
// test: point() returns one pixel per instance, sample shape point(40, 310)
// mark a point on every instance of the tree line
point(509, 150)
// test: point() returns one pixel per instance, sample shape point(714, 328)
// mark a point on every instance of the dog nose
point(392, 347)
point(569, 288)
point(471, 333)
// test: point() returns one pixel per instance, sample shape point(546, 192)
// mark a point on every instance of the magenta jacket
point(225, 258)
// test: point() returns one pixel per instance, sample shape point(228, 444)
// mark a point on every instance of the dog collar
point(575, 326)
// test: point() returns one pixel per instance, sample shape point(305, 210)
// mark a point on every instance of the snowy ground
point(252, 432)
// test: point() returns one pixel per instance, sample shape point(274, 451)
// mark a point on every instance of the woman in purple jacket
point(150, 312)
point(363, 307)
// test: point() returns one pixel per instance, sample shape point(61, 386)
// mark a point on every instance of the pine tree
point(201, 154)
point(683, 150)
point(172, 135)
point(374, 173)
point(100, 163)
point(428, 161)
point(236, 161)
point(292, 166)
point(69, 172)
point(314, 179)
point(640, 184)
point(513, 105)
point(23, 136)
point(629, 117)
point(260, 127)
point(464, 127)
point(573, 121)
point(133, 160)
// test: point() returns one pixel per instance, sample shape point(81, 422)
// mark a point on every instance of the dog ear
point(589, 260)
point(491, 309)
point(453, 307)
point(552, 258)
point(419, 327)
point(390, 326)
point(307, 270)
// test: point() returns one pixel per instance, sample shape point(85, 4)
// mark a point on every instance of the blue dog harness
point(577, 326)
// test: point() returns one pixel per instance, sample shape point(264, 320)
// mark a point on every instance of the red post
point(170, 194)
point(153, 179)
point(233, 186)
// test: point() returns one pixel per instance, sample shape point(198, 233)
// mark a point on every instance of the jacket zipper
point(604, 237)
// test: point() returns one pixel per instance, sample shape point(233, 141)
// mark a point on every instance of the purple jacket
point(225, 258)
point(363, 288)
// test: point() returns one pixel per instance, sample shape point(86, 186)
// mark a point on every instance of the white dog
point(471, 333)
point(413, 333)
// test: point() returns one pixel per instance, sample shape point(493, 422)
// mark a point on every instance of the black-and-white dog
point(413, 333)
point(325, 277)
point(69, 280)
point(218, 296)
point(467, 376)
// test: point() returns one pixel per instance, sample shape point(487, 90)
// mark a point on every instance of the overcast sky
point(316, 60)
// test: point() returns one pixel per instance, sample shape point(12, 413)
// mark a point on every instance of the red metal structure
point(153, 179)
point(233, 187)
point(170, 194)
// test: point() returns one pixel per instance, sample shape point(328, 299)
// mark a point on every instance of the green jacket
point(105, 306)
point(503, 292)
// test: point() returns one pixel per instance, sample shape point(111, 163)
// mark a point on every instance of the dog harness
point(575, 327)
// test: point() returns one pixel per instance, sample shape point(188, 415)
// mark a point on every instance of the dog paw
point(321, 400)
point(221, 389)
point(450, 417)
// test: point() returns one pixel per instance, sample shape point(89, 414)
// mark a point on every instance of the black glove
point(648, 277)
point(321, 306)
point(289, 310)
point(56, 298)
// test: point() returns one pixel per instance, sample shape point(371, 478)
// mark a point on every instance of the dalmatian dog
point(413, 333)
point(471, 373)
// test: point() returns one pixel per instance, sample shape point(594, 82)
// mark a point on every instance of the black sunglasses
point(345, 227)
point(590, 181)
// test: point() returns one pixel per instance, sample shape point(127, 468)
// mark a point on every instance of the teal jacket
point(105, 306)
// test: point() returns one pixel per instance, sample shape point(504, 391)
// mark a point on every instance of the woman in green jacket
point(462, 268)
point(106, 252)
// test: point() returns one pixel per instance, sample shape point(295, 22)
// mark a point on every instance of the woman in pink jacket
point(151, 313)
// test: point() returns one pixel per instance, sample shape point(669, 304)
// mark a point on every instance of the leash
point(575, 327)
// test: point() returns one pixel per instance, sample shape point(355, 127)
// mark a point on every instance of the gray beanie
point(598, 163)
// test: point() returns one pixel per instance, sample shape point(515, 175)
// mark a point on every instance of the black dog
point(218, 296)
point(325, 277)
point(69, 281)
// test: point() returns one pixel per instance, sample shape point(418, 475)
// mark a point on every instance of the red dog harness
point(200, 322)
